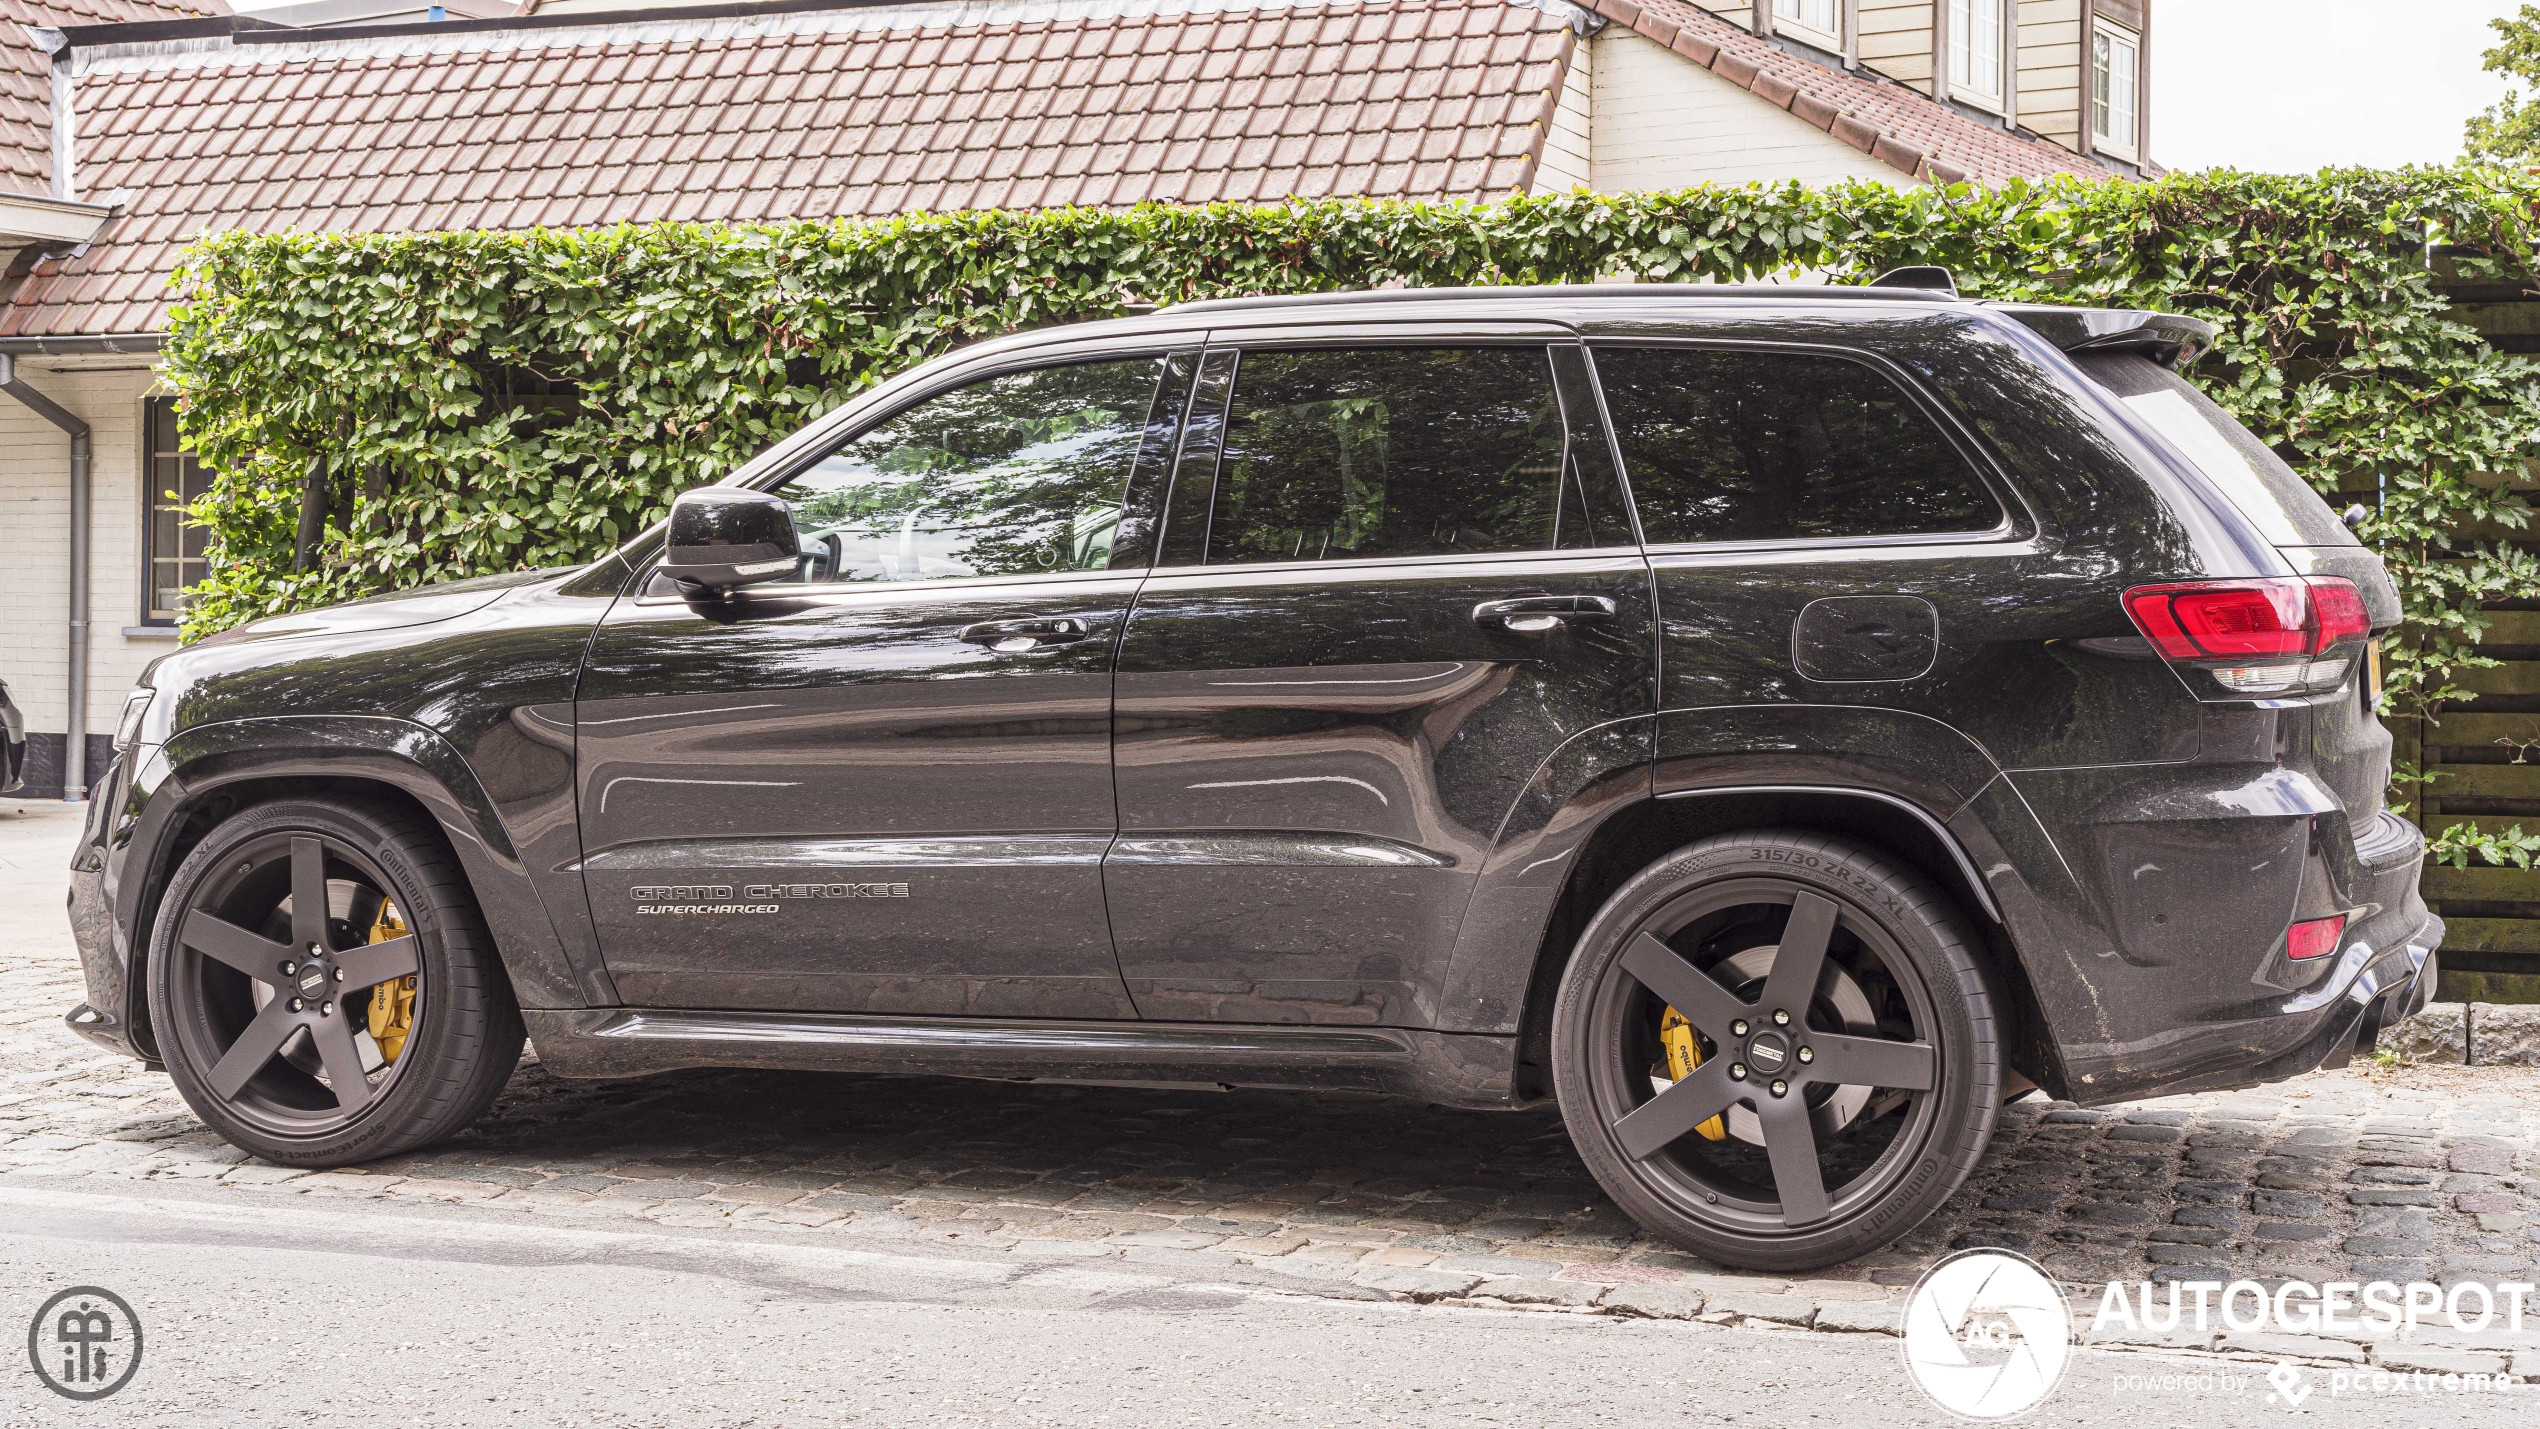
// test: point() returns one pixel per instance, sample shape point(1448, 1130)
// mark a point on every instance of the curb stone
point(1800, 1310)
point(1539, 1290)
point(2435, 1361)
point(2290, 1347)
point(1654, 1302)
point(1861, 1317)
point(1420, 1285)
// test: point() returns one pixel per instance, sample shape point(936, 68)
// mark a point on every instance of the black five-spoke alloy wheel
point(323, 989)
point(1778, 1049)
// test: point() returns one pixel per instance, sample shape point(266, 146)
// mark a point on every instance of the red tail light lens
point(2337, 610)
point(2274, 616)
point(2262, 636)
point(2314, 939)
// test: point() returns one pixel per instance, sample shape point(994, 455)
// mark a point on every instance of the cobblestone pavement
point(2382, 1173)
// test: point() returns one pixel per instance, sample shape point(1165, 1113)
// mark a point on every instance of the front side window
point(1723, 445)
point(1339, 453)
point(2115, 72)
point(1817, 15)
point(172, 551)
point(1021, 474)
point(1975, 46)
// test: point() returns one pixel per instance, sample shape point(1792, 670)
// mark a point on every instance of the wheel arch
point(210, 772)
point(1640, 833)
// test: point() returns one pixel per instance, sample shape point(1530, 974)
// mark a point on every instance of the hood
point(394, 610)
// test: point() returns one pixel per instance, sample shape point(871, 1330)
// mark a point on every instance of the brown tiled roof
point(26, 75)
point(1900, 127)
point(803, 116)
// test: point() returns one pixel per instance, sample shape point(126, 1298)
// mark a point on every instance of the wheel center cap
point(1768, 1052)
point(312, 979)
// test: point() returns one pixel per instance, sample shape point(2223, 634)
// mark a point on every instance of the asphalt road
point(281, 1309)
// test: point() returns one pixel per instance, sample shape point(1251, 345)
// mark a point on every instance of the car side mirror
point(727, 536)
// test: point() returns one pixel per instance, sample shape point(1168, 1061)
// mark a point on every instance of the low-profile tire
point(270, 1058)
point(1889, 1068)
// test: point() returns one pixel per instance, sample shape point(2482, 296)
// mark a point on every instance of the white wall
point(1565, 145)
point(35, 518)
point(1662, 122)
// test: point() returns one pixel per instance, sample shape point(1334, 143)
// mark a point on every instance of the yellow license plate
point(2372, 672)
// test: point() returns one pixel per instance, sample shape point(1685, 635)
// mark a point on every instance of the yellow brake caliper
point(392, 1003)
point(1684, 1054)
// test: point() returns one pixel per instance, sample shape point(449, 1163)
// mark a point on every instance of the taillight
point(2268, 635)
point(2314, 939)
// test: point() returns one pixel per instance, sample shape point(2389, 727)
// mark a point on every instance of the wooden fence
point(2488, 750)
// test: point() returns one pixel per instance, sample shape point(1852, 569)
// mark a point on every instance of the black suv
point(1781, 724)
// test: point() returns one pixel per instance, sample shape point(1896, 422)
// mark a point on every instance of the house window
point(2115, 72)
point(1815, 18)
point(1975, 47)
point(171, 551)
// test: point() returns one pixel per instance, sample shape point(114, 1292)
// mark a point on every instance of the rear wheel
point(1777, 1049)
point(324, 989)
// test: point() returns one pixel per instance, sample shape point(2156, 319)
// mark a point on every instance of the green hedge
point(475, 402)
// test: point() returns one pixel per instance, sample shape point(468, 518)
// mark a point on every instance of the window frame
point(152, 405)
point(1961, 41)
point(2019, 521)
point(1211, 453)
point(815, 441)
point(1826, 39)
point(2105, 30)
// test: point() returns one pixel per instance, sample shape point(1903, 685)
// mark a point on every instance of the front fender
point(196, 765)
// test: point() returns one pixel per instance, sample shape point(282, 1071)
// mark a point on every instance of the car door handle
point(1528, 614)
point(1015, 637)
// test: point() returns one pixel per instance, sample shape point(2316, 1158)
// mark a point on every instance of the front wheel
point(323, 988)
point(1777, 1050)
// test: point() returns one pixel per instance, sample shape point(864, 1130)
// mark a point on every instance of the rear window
point(2272, 495)
point(1730, 445)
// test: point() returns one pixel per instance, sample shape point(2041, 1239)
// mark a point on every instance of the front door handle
point(1528, 614)
point(1014, 637)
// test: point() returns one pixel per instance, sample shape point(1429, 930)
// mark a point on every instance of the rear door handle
point(1015, 637)
point(1528, 614)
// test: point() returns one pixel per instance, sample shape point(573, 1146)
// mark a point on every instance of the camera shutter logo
point(1987, 1334)
point(85, 1343)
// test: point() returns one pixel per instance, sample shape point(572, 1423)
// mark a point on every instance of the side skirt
point(1442, 1068)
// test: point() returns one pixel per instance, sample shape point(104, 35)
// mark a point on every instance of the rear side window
point(1722, 445)
point(1334, 453)
point(2257, 482)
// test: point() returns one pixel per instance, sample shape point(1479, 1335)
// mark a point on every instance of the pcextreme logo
point(1987, 1334)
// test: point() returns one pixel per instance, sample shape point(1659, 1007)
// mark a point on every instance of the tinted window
point(1767, 446)
point(1356, 452)
point(1017, 475)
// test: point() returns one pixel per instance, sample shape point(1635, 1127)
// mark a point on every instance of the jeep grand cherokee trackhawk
point(1779, 724)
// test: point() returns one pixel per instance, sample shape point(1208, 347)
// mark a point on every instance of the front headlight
point(136, 706)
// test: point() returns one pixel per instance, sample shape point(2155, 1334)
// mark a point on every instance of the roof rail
point(1567, 292)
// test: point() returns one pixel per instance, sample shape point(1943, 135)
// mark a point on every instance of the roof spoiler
point(2169, 339)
